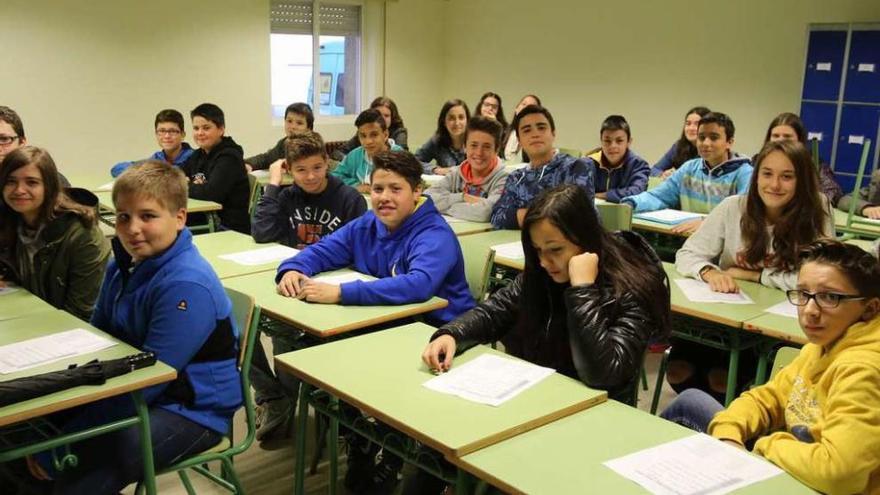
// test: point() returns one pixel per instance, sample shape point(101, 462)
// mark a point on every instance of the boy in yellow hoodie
point(819, 418)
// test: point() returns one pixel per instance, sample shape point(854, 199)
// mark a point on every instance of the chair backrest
point(784, 356)
point(860, 174)
point(255, 189)
point(615, 216)
point(246, 314)
point(243, 308)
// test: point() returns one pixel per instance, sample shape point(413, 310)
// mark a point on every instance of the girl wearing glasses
point(753, 237)
point(819, 418)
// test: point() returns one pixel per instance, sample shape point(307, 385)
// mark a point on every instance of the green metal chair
point(247, 316)
point(851, 217)
point(615, 216)
point(255, 194)
point(784, 357)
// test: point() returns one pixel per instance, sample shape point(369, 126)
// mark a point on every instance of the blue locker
point(824, 65)
point(857, 123)
point(863, 70)
point(847, 181)
point(819, 120)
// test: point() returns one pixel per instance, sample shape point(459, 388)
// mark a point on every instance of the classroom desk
point(864, 244)
point(566, 456)
point(463, 227)
point(22, 303)
point(476, 251)
point(656, 227)
point(217, 244)
point(393, 394)
point(47, 323)
point(262, 177)
point(209, 208)
point(861, 226)
point(322, 320)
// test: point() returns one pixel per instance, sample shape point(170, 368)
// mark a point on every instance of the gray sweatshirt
point(448, 193)
point(719, 239)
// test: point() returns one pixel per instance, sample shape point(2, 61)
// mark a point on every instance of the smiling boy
point(702, 183)
point(169, 134)
point(470, 190)
point(298, 117)
point(617, 171)
point(372, 133)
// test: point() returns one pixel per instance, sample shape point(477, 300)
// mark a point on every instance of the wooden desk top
point(217, 244)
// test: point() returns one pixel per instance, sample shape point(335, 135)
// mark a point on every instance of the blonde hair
point(154, 179)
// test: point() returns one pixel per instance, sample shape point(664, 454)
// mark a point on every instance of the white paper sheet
point(105, 187)
point(698, 464)
point(489, 379)
point(784, 308)
point(345, 277)
point(450, 219)
point(823, 67)
point(9, 289)
point(260, 174)
point(668, 216)
point(260, 256)
point(43, 350)
point(432, 179)
point(699, 291)
point(510, 250)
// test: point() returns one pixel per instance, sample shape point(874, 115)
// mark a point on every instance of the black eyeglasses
point(4, 139)
point(823, 299)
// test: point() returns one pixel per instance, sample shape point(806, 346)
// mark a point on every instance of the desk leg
point(761, 373)
point(146, 441)
point(299, 473)
point(463, 482)
point(212, 222)
point(333, 443)
point(732, 367)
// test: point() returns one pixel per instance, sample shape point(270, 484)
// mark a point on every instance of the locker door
point(858, 122)
point(824, 65)
point(819, 120)
point(863, 70)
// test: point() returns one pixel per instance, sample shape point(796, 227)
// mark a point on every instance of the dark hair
point(722, 120)
point(615, 123)
point(499, 114)
point(303, 144)
point(487, 125)
point(569, 208)
point(55, 201)
point(402, 163)
point(802, 219)
point(528, 111)
point(442, 133)
point(169, 115)
point(791, 120)
point(684, 149)
point(859, 266)
point(303, 109)
point(11, 117)
point(210, 112)
point(384, 101)
point(370, 116)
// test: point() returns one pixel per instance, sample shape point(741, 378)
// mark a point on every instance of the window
point(294, 50)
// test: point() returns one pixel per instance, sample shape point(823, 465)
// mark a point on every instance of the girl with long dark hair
point(490, 106)
point(446, 147)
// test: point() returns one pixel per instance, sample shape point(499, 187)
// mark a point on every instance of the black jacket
point(296, 219)
point(263, 160)
point(592, 335)
point(225, 182)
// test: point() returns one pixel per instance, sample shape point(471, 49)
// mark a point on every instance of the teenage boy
point(12, 136)
point(315, 205)
point(547, 168)
point(702, 183)
point(159, 295)
point(355, 169)
point(617, 171)
point(470, 190)
point(298, 117)
point(169, 134)
point(216, 170)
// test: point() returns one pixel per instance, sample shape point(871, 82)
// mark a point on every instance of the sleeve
point(744, 178)
point(636, 182)
point(829, 186)
point(428, 265)
point(263, 160)
point(504, 210)
point(355, 207)
point(346, 171)
point(101, 315)
point(89, 250)
point(330, 253)
point(443, 195)
point(846, 456)
point(664, 163)
point(345, 148)
point(704, 246)
point(227, 171)
point(426, 154)
point(488, 321)
point(401, 136)
point(758, 410)
point(481, 210)
point(666, 195)
point(861, 203)
point(581, 174)
point(269, 223)
point(120, 167)
point(608, 335)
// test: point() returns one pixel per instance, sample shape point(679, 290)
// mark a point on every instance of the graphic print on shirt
point(311, 223)
point(802, 411)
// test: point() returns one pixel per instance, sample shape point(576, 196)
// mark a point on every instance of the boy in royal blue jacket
point(159, 295)
point(617, 171)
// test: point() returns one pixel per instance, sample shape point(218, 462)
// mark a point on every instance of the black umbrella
point(92, 373)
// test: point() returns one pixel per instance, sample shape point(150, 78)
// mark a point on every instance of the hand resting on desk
point(439, 353)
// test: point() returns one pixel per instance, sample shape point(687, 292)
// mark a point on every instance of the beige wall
point(647, 60)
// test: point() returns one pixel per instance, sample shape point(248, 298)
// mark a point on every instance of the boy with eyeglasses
point(818, 418)
point(169, 134)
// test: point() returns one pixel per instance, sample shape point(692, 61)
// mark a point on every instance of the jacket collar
point(147, 268)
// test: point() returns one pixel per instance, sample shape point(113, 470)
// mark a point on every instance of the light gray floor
point(270, 472)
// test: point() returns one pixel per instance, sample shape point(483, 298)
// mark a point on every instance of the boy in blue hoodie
point(355, 169)
point(547, 168)
point(617, 171)
point(169, 134)
point(159, 295)
point(702, 183)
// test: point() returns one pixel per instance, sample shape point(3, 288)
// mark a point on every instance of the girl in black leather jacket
point(586, 304)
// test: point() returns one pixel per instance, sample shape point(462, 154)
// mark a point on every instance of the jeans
point(109, 463)
point(693, 409)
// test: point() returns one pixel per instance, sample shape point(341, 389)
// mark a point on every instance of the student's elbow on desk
point(815, 464)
